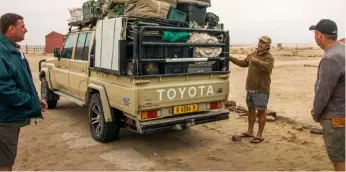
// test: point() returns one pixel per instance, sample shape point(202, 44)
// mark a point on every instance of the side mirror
point(57, 53)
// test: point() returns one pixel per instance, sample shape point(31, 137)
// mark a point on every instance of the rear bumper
point(181, 121)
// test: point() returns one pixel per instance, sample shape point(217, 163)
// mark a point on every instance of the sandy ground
point(62, 140)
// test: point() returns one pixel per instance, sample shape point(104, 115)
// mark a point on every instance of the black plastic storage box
point(159, 52)
point(200, 68)
point(195, 12)
point(153, 52)
point(176, 52)
point(173, 68)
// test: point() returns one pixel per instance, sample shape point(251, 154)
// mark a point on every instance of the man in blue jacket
point(19, 101)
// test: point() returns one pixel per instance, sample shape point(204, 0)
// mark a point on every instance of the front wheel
point(100, 130)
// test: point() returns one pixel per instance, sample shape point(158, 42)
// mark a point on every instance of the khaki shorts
point(8, 145)
point(334, 138)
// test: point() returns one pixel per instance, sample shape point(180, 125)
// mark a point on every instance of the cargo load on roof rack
point(147, 9)
point(190, 11)
point(199, 2)
point(76, 14)
point(112, 3)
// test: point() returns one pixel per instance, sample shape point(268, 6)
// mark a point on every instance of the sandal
point(244, 135)
point(257, 140)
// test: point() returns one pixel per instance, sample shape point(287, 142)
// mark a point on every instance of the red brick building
point(54, 40)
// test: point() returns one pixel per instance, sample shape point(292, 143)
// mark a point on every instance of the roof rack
point(84, 23)
point(162, 22)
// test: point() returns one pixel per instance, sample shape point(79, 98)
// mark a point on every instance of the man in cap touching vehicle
point(260, 64)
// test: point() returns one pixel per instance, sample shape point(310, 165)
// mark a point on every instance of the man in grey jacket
point(329, 101)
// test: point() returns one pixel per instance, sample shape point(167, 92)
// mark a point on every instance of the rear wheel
point(100, 130)
point(48, 95)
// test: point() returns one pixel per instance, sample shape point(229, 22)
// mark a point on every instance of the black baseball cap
point(326, 26)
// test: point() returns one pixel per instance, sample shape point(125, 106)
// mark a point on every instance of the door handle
point(58, 66)
point(66, 67)
point(83, 70)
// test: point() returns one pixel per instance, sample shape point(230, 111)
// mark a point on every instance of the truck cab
point(130, 79)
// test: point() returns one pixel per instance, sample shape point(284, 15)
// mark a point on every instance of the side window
point(82, 49)
point(68, 47)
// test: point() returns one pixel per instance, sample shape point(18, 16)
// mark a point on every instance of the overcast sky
point(286, 21)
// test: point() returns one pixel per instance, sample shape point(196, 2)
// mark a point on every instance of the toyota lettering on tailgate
point(172, 93)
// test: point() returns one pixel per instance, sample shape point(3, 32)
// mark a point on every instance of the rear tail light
point(215, 105)
point(149, 114)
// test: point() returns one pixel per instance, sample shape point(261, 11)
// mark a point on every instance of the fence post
point(26, 48)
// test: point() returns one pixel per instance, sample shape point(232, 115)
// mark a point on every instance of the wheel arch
point(44, 74)
point(107, 111)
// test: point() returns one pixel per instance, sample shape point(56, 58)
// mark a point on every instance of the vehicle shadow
point(163, 142)
point(186, 138)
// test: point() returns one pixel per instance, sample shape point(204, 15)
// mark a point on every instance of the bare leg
point(9, 168)
point(262, 122)
point(251, 121)
point(339, 166)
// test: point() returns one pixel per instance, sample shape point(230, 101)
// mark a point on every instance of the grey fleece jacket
point(329, 98)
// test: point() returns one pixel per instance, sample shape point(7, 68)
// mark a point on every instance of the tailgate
point(170, 92)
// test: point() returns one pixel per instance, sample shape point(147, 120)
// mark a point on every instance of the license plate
point(185, 109)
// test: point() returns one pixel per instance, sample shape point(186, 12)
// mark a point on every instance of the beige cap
point(266, 39)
